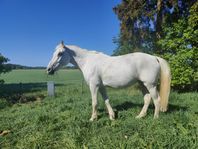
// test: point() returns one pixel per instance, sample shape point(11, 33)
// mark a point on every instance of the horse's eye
point(60, 53)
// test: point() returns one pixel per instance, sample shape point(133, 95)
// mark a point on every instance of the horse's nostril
point(48, 69)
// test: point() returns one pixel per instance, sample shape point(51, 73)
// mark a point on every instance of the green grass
point(63, 121)
point(35, 76)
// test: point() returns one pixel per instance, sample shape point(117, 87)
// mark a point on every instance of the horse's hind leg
point(103, 92)
point(156, 98)
point(147, 99)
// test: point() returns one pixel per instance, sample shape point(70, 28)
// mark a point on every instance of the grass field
point(33, 120)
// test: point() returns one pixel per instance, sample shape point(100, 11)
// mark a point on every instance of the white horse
point(100, 70)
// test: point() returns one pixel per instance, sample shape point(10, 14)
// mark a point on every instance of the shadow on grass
point(173, 108)
point(14, 93)
point(128, 105)
point(123, 107)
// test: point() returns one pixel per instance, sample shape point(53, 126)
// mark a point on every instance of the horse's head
point(60, 58)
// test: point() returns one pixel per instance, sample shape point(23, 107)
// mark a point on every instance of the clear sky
point(30, 29)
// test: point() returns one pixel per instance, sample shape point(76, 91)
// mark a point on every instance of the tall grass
point(63, 121)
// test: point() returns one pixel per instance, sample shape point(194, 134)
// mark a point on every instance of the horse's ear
point(62, 43)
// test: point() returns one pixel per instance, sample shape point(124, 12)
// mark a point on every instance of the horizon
point(32, 29)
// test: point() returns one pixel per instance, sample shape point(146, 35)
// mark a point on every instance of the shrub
point(3, 67)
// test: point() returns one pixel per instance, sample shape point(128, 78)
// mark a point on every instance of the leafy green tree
point(141, 22)
point(180, 48)
point(3, 67)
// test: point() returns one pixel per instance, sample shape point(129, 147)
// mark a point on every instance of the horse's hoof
point(92, 119)
point(138, 117)
point(156, 116)
point(112, 118)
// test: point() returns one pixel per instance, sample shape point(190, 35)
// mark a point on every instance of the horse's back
point(127, 69)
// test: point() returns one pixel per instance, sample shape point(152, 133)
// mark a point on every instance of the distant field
point(32, 76)
point(34, 120)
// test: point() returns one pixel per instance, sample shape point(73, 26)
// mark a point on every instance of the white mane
point(58, 47)
point(74, 47)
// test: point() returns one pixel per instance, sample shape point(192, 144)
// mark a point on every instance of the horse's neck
point(78, 56)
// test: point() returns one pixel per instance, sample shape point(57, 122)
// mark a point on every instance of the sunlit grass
point(63, 121)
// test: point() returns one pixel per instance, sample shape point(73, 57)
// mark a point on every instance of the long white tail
point(165, 80)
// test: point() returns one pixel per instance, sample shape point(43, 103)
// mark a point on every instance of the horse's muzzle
point(50, 71)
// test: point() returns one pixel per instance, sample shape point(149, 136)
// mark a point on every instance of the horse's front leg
point(94, 91)
point(105, 97)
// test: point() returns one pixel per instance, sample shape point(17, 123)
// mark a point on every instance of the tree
point(142, 22)
point(180, 48)
point(3, 67)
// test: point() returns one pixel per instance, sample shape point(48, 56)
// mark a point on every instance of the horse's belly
point(118, 85)
point(116, 81)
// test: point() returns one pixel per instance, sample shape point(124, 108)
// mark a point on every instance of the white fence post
point(50, 88)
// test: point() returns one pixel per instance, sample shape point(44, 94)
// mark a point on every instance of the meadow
point(34, 120)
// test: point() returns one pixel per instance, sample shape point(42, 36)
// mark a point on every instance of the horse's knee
point(147, 98)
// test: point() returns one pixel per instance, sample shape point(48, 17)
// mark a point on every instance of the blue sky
point(30, 29)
